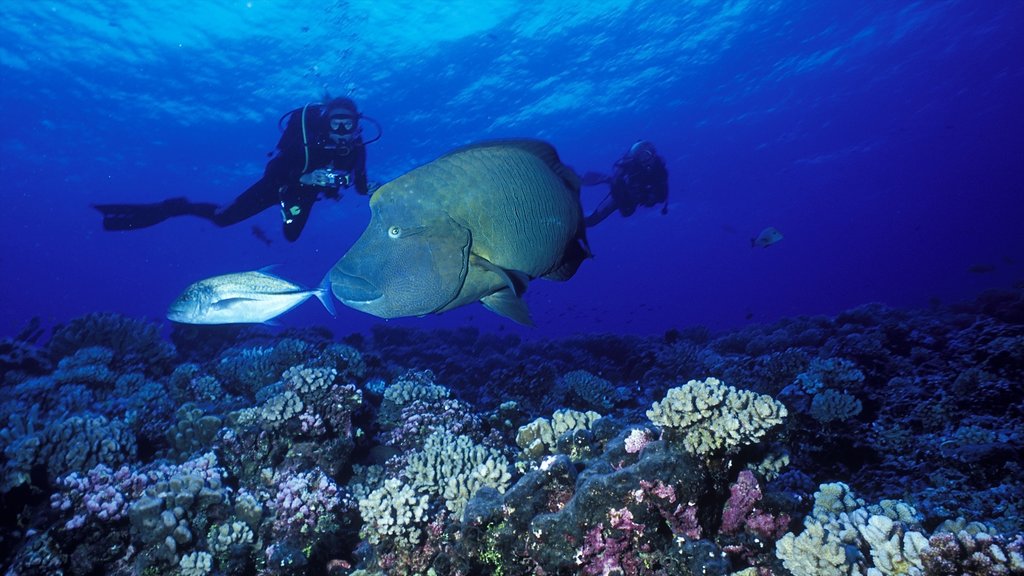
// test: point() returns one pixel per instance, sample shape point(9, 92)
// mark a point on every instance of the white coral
point(713, 417)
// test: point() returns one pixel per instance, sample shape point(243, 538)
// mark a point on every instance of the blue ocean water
point(884, 140)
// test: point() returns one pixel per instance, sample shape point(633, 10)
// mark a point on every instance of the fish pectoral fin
point(514, 280)
point(228, 303)
point(505, 303)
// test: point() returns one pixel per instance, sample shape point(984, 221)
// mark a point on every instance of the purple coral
point(616, 552)
point(306, 502)
point(420, 419)
point(101, 493)
point(745, 492)
point(600, 555)
point(740, 511)
point(681, 519)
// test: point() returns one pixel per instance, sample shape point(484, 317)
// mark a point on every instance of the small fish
point(244, 297)
point(766, 238)
point(261, 235)
point(981, 268)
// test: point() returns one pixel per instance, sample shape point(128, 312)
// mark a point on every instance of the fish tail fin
point(324, 295)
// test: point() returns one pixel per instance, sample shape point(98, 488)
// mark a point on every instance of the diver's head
point(341, 116)
point(643, 151)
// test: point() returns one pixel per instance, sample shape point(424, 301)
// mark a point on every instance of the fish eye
point(395, 231)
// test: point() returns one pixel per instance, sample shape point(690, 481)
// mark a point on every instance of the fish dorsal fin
point(504, 302)
point(539, 148)
point(515, 280)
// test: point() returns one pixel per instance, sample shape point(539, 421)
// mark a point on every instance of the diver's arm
point(289, 157)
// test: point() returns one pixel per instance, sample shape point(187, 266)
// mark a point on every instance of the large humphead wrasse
point(476, 224)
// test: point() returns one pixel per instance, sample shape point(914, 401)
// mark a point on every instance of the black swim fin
point(134, 216)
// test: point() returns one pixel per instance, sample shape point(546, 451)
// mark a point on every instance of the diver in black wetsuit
point(321, 151)
point(640, 179)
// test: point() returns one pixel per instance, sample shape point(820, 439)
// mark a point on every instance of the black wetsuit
point(635, 182)
point(305, 146)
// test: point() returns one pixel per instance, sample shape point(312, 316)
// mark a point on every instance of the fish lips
point(354, 291)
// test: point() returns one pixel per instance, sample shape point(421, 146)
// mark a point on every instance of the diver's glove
point(326, 178)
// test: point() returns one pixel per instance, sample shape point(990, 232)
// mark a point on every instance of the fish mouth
point(353, 290)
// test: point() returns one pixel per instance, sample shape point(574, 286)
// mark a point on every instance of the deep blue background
point(884, 140)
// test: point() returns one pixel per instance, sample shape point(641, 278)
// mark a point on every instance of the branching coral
point(710, 417)
point(454, 468)
point(542, 436)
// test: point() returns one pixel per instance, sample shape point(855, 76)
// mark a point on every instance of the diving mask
point(342, 123)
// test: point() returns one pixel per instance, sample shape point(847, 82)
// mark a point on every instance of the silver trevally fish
point(243, 297)
point(476, 224)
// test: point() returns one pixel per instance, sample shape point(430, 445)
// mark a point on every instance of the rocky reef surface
point(879, 441)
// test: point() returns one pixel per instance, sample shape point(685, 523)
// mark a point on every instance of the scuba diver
point(321, 150)
point(640, 179)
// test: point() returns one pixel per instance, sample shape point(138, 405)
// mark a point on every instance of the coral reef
point(135, 344)
point(454, 452)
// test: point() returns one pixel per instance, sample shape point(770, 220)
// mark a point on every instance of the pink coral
point(601, 556)
point(681, 519)
point(305, 502)
point(741, 511)
point(744, 494)
point(684, 522)
point(660, 490)
point(623, 520)
point(419, 419)
point(617, 552)
point(766, 526)
point(101, 493)
point(637, 440)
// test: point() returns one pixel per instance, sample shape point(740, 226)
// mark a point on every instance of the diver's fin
point(515, 280)
point(594, 178)
point(324, 295)
point(504, 302)
point(133, 216)
point(575, 253)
